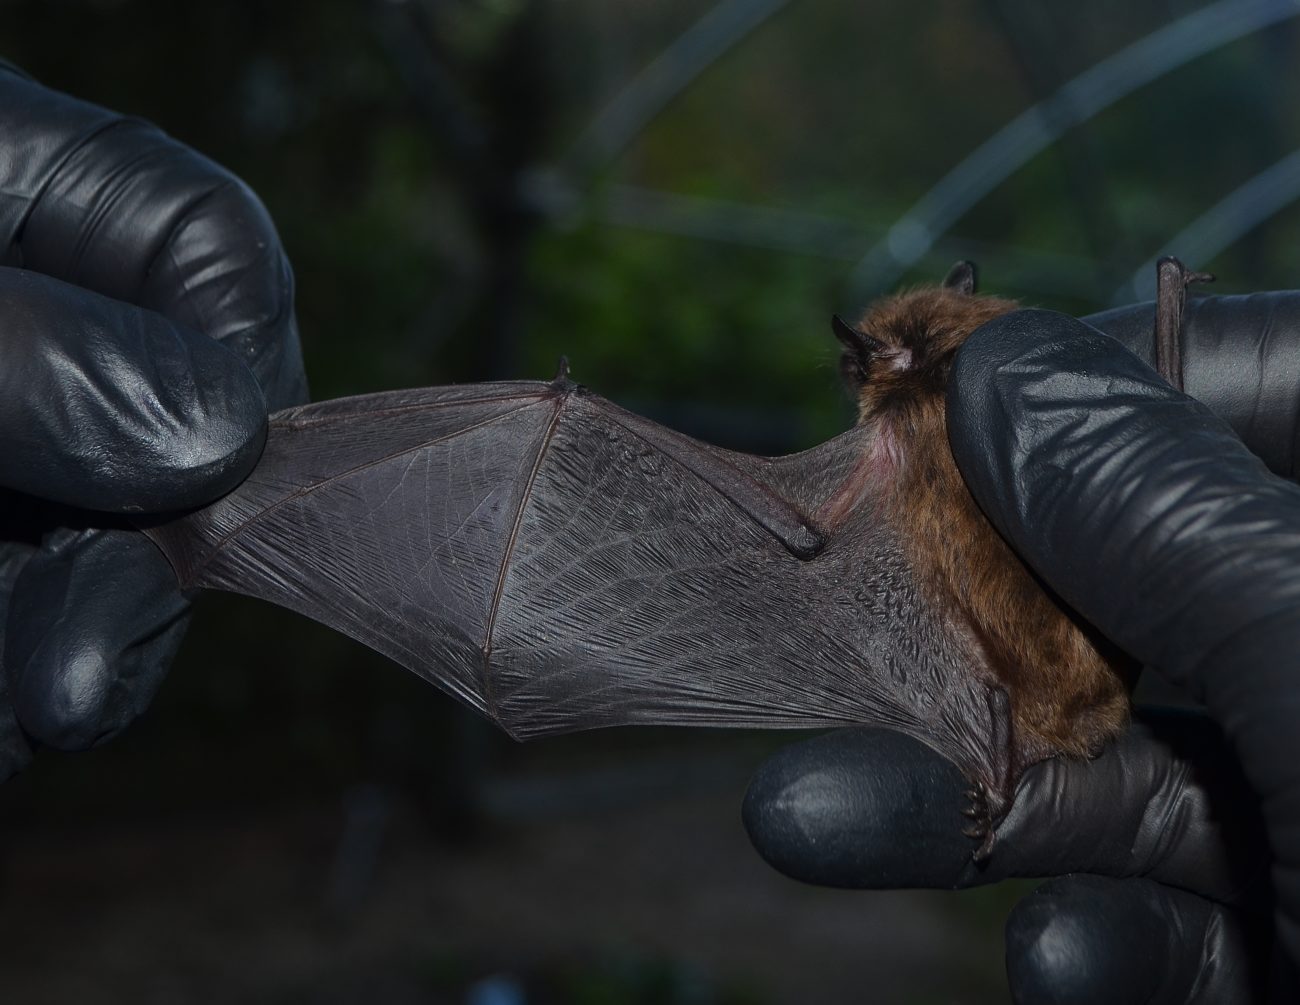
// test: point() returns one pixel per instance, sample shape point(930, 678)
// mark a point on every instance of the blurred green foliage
point(846, 112)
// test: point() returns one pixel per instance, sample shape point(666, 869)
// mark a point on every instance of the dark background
point(676, 194)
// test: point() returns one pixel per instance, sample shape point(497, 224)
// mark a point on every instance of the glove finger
point(1166, 801)
point(115, 205)
point(869, 808)
point(861, 809)
point(93, 624)
point(1240, 355)
point(1148, 516)
point(105, 406)
point(15, 751)
point(1087, 939)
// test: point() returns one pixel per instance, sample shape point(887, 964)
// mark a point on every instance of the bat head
point(900, 354)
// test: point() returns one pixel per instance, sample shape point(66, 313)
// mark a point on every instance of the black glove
point(146, 312)
point(1148, 515)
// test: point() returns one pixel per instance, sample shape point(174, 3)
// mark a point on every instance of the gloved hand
point(146, 316)
point(1149, 516)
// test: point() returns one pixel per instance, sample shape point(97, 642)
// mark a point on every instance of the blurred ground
point(605, 887)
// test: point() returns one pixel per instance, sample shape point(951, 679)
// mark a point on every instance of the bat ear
point(853, 340)
point(859, 350)
point(962, 278)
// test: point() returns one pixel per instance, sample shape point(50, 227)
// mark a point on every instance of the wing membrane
point(559, 566)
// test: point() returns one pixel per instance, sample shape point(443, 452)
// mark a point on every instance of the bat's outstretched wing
point(559, 564)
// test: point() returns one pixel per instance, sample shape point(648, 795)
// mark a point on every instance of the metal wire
point(1033, 130)
point(1222, 225)
point(830, 237)
point(671, 72)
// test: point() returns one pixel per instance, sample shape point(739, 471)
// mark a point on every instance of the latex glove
point(1149, 516)
point(146, 315)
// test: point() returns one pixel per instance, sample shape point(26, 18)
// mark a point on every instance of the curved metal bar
point(775, 229)
point(1030, 132)
point(1223, 224)
point(689, 55)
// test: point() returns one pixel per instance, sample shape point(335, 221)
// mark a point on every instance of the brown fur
point(1066, 694)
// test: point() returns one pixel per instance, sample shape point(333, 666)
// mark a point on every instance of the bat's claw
point(1172, 280)
point(980, 813)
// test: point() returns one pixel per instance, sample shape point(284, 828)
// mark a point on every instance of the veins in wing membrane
point(284, 419)
point(307, 490)
point(488, 699)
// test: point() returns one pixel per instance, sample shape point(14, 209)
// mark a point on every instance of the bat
point(558, 563)
point(1067, 692)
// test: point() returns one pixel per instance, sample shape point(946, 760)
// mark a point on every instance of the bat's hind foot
point(979, 811)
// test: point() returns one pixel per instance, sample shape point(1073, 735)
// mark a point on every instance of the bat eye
point(897, 359)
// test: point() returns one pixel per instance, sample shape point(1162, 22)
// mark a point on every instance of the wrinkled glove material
point(146, 308)
point(1143, 508)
